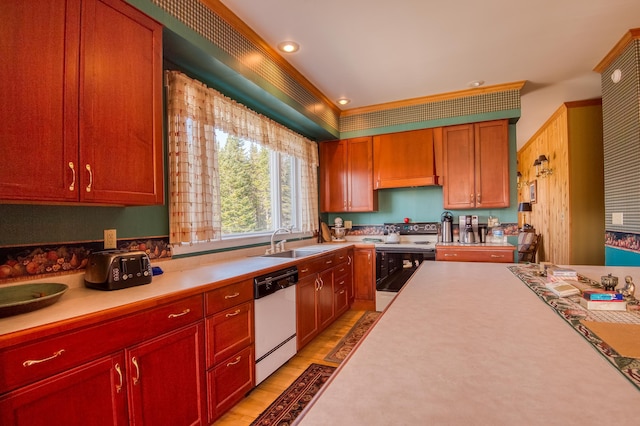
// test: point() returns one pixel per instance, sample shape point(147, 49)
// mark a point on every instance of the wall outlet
point(348, 224)
point(110, 239)
point(617, 219)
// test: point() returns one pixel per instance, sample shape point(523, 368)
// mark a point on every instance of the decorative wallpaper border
point(623, 240)
point(30, 262)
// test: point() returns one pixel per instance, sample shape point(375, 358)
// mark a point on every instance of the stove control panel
point(419, 228)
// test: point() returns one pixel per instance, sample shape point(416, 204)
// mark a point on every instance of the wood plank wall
point(569, 208)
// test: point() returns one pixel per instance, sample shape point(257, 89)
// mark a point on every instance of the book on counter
point(562, 288)
point(603, 305)
point(602, 295)
point(556, 273)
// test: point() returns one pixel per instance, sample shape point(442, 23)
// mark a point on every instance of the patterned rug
point(348, 342)
point(572, 312)
point(291, 402)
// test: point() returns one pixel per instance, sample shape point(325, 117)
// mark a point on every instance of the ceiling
point(374, 51)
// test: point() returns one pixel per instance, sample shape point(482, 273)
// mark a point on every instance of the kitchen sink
point(295, 253)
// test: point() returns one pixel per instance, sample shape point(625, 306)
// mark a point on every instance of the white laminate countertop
point(187, 275)
point(470, 344)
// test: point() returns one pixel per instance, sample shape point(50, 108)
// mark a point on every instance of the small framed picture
point(533, 192)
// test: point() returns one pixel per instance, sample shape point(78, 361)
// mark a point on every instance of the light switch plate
point(110, 241)
point(617, 218)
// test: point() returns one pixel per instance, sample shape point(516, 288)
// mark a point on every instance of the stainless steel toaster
point(117, 269)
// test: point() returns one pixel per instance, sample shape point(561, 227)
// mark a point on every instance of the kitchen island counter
point(469, 343)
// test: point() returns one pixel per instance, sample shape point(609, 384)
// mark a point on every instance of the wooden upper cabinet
point(346, 176)
point(404, 159)
point(476, 165)
point(82, 90)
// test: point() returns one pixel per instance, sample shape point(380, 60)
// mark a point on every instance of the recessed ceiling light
point(476, 83)
point(288, 46)
point(343, 101)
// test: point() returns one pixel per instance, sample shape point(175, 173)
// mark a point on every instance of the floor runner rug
point(349, 341)
point(294, 399)
point(599, 328)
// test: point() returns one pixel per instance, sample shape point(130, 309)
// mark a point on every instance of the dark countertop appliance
point(117, 269)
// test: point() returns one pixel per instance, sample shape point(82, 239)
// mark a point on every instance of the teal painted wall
point(34, 224)
point(618, 257)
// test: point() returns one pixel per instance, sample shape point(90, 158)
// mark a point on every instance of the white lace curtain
point(194, 111)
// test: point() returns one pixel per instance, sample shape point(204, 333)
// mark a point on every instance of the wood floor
point(247, 410)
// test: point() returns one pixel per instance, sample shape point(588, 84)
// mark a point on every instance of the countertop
point(181, 278)
point(469, 343)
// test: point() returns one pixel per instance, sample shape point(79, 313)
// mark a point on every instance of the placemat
point(624, 338)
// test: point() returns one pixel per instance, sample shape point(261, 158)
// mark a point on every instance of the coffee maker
point(468, 229)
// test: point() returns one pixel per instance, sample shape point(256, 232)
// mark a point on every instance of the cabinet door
point(459, 163)
point(364, 277)
point(91, 394)
point(325, 299)
point(228, 332)
point(361, 196)
point(39, 101)
point(333, 176)
point(166, 379)
point(306, 323)
point(404, 159)
point(229, 382)
point(492, 164)
point(120, 105)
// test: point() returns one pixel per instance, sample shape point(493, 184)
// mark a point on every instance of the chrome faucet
point(273, 246)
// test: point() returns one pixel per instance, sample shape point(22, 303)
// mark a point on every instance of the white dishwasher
point(275, 320)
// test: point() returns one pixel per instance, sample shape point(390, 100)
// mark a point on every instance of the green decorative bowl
point(20, 299)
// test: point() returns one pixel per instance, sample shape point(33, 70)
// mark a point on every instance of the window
point(234, 175)
point(257, 187)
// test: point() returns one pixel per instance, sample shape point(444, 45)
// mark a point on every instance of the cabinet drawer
point(228, 332)
point(342, 256)
point(228, 296)
point(27, 363)
point(314, 266)
point(229, 382)
point(496, 256)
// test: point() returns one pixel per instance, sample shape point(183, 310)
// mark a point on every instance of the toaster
point(117, 269)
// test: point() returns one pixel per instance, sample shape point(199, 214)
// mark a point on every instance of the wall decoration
point(533, 191)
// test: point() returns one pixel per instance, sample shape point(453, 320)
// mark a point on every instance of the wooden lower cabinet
point(230, 346)
point(166, 379)
point(364, 278)
point(496, 254)
point(322, 293)
point(94, 391)
point(137, 386)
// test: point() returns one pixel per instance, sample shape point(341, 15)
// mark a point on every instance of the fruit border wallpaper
point(19, 263)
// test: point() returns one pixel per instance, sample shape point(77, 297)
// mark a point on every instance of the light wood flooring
point(247, 410)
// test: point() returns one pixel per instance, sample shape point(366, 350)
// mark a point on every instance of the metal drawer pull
point(341, 282)
point(38, 361)
point(73, 182)
point(185, 312)
point(497, 255)
point(304, 270)
point(329, 262)
point(88, 167)
point(231, 296)
point(119, 386)
point(233, 314)
point(342, 291)
point(450, 254)
point(349, 260)
point(136, 379)
point(234, 362)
